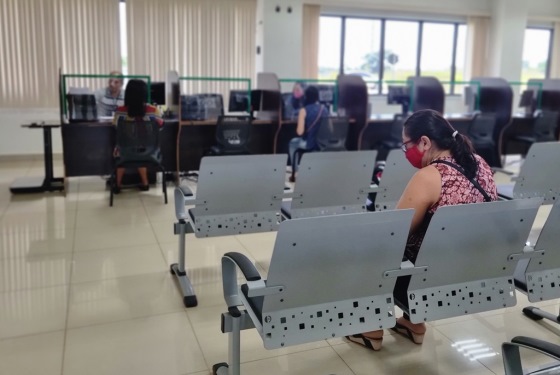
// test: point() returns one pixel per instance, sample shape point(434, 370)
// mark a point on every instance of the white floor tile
point(163, 345)
point(112, 263)
point(33, 311)
point(123, 298)
point(19, 244)
point(35, 272)
point(31, 355)
point(120, 236)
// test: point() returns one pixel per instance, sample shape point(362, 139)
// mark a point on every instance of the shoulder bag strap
point(316, 120)
point(472, 180)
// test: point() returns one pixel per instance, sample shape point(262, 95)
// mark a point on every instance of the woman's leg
point(143, 176)
point(120, 174)
point(295, 144)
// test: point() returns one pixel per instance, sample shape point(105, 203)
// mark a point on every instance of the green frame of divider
point(318, 81)
point(539, 91)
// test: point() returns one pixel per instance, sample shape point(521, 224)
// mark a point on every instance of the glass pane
point(362, 50)
point(401, 44)
point(535, 53)
point(330, 34)
point(437, 52)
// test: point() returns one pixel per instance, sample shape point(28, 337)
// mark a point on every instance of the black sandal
point(368, 342)
point(416, 338)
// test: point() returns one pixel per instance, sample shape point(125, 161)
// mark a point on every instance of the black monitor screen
point(526, 99)
point(265, 100)
point(238, 101)
point(326, 94)
point(201, 106)
point(157, 93)
point(397, 95)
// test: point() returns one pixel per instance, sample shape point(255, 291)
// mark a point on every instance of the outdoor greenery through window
point(391, 50)
point(536, 51)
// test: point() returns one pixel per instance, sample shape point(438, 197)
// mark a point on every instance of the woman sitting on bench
point(450, 173)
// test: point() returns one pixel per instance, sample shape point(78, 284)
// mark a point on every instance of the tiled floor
point(85, 289)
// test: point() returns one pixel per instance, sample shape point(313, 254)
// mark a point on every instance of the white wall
point(280, 35)
point(16, 140)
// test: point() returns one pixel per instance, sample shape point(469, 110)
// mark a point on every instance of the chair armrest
point(183, 197)
point(230, 262)
point(245, 265)
point(544, 347)
point(512, 358)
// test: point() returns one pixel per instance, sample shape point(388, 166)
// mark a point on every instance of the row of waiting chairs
point(329, 184)
point(342, 282)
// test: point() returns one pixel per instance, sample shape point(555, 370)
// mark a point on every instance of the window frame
point(421, 22)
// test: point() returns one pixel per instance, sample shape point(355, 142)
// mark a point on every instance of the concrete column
point(279, 37)
point(509, 20)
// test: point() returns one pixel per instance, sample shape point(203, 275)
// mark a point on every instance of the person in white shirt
point(110, 97)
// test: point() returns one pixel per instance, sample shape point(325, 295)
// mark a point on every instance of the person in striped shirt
point(110, 97)
point(135, 108)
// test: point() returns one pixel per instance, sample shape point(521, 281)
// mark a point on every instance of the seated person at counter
point(135, 108)
point(110, 97)
point(309, 120)
point(450, 173)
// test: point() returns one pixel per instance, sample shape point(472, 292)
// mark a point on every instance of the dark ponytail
point(135, 97)
point(431, 124)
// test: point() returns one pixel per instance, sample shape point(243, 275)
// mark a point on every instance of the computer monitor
point(239, 101)
point(265, 100)
point(326, 94)
point(201, 106)
point(157, 93)
point(470, 98)
point(399, 95)
point(527, 100)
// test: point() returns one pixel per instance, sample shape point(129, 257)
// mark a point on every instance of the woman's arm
point(301, 122)
point(423, 191)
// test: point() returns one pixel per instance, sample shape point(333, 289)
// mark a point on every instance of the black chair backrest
point(332, 134)
point(544, 126)
point(397, 127)
point(482, 128)
point(138, 140)
point(233, 132)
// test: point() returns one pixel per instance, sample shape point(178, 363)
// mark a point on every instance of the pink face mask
point(414, 156)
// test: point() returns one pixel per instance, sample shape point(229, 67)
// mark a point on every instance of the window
point(330, 34)
point(391, 50)
point(536, 52)
point(362, 50)
point(122, 29)
point(437, 51)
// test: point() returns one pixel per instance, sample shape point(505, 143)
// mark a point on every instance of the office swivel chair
point(331, 136)
point(543, 129)
point(481, 133)
point(512, 358)
point(394, 141)
point(138, 145)
point(232, 136)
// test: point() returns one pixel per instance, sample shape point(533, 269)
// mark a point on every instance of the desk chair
point(512, 357)
point(544, 126)
point(469, 269)
point(138, 144)
point(328, 277)
point(481, 133)
point(394, 141)
point(232, 136)
point(331, 136)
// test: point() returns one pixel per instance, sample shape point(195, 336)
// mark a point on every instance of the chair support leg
point(178, 269)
